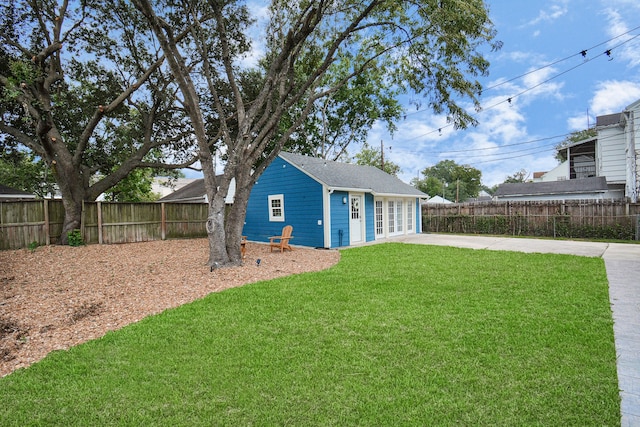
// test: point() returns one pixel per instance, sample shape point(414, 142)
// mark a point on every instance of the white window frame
point(409, 216)
point(276, 214)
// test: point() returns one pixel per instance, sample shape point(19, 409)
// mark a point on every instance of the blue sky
point(547, 102)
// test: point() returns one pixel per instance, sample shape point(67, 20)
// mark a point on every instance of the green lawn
point(393, 335)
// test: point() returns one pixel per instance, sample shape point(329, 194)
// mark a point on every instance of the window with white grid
point(276, 208)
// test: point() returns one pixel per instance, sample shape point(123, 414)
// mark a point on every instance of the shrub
point(75, 238)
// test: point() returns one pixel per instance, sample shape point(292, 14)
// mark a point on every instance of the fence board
point(39, 222)
point(611, 219)
point(186, 221)
point(21, 223)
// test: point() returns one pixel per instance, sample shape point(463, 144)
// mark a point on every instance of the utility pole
point(382, 155)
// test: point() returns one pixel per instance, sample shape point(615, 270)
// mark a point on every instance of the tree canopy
point(521, 176)
point(345, 117)
point(452, 181)
point(83, 93)
point(102, 88)
point(313, 50)
point(369, 156)
point(23, 171)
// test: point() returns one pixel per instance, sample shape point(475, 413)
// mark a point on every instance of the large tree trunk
point(218, 256)
point(71, 180)
point(72, 189)
point(224, 228)
point(72, 219)
point(237, 214)
point(234, 225)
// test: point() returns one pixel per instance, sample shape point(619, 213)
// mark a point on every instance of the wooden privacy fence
point(610, 219)
point(39, 222)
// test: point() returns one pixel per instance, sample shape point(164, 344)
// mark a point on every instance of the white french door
point(395, 217)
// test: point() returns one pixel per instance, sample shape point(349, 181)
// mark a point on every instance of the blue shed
point(330, 204)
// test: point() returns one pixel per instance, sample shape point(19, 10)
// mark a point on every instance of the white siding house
point(631, 117)
point(613, 154)
point(610, 150)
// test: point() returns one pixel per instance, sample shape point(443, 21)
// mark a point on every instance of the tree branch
point(22, 138)
point(101, 110)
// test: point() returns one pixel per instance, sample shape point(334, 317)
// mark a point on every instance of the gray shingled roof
point(350, 176)
point(608, 119)
point(571, 186)
point(12, 192)
point(192, 192)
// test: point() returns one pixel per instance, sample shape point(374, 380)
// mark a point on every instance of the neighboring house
point(330, 204)
point(164, 186)
point(483, 196)
point(559, 173)
point(8, 194)
point(438, 200)
point(195, 192)
point(617, 154)
point(570, 189)
point(613, 154)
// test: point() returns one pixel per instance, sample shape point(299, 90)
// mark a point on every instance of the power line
point(551, 64)
point(510, 98)
point(511, 157)
point(582, 53)
point(533, 150)
point(533, 141)
point(530, 150)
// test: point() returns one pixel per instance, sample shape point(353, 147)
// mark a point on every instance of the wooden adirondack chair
point(243, 246)
point(282, 242)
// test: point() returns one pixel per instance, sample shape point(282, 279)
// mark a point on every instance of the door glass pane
point(379, 220)
point(355, 208)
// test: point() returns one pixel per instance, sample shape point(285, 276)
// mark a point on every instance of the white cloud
point(580, 121)
point(554, 12)
point(623, 47)
point(613, 96)
point(414, 143)
point(505, 122)
point(424, 127)
point(256, 32)
point(540, 83)
point(418, 143)
point(521, 57)
point(259, 10)
point(609, 97)
point(532, 85)
point(616, 23)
